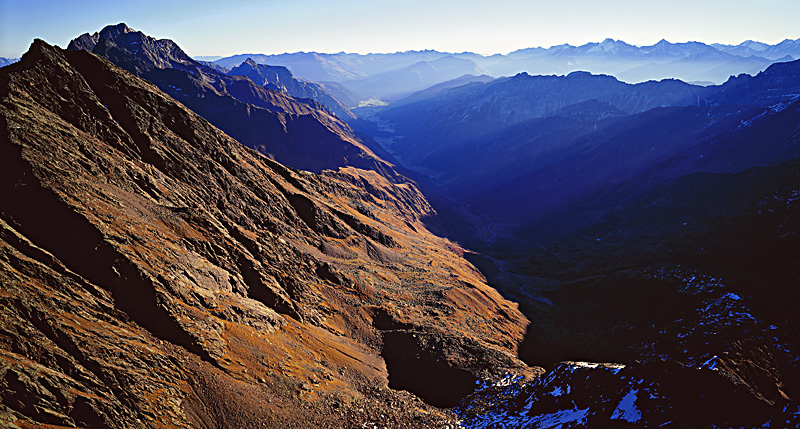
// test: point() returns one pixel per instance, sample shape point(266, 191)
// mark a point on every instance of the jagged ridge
point(298, 133)
point(155, 271)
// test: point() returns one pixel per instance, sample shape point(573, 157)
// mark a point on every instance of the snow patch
point(626, 410)
point(732, 296)
point(711, 363)
point(559, 418)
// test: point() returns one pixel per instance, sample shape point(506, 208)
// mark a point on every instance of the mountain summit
point(297, 132)
point(133, 50)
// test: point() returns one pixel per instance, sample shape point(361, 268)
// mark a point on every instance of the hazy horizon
point(205, 28)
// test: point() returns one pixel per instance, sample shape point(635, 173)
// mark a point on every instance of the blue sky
point(204, 27)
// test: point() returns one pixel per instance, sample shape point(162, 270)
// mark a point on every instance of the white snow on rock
point(711, 363)
point(573, 415)
point(626, 410)
point(558, 391)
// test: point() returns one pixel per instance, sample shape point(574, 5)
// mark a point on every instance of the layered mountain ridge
point(383, 75)
point(281, 78)
point(589, 136)
point(296, 132)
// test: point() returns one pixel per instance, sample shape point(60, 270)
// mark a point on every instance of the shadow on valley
point(651, 225)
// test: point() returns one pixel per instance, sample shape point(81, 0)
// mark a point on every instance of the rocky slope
point(298, 133)
point(157, 273)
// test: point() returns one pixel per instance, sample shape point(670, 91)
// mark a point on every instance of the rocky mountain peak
point(112, 31)
point(756, 46)
point(133, 49)
point(281, 78)
point(261, 117)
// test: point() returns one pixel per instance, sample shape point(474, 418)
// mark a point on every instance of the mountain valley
point(594, 210)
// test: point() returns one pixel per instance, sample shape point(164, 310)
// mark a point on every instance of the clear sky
point(226, 27)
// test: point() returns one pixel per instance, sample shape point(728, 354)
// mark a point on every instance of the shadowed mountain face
point(689, 289)
point(156, 272)
point(531, 151)
point(281, 78)
point(299, 133)
point(448, 118)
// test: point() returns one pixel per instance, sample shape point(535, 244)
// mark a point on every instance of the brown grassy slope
point(157, 273)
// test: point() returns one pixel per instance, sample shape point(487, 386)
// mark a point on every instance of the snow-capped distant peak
point(756, 46)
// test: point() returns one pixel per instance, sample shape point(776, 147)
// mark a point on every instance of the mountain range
point(6, 61)
point(520, 136)
point(194, 244)
point(392, 76)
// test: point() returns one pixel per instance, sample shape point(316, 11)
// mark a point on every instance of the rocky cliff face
point(157, 273)
point(298, 133)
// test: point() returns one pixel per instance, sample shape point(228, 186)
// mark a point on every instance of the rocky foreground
point(156, 273)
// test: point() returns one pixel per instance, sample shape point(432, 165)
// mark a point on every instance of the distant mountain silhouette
point(691, 62)
point(6, 61)
point(396, 84)
point(435, 89)
point(778, 51)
